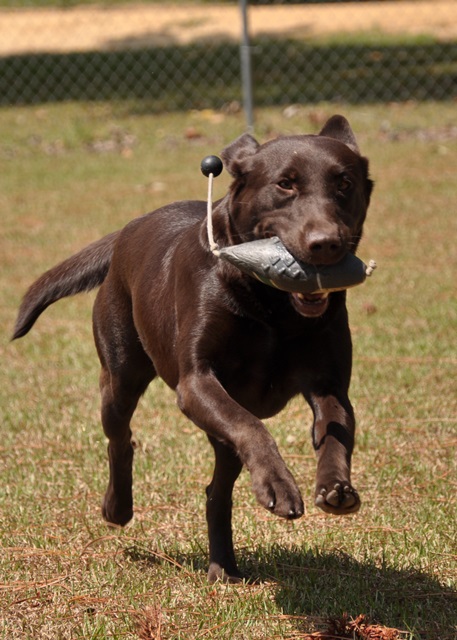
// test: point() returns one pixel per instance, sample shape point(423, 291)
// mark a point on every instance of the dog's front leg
point(333, 440)
point(222, 562)
point(202, 398)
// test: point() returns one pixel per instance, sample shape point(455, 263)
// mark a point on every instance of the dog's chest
point(261, 370)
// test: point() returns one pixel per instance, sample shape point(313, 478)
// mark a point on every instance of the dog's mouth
point(310, 305)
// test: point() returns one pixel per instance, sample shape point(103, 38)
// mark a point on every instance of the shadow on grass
point(328, 585)
point(208, 75)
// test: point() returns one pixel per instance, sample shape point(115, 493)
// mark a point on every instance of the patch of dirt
point(130, 26)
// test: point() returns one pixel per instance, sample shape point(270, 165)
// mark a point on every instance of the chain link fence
point(173, 55)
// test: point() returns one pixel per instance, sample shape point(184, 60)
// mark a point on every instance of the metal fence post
point(245, 60)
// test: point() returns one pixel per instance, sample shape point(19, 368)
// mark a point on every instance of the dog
point(234, 349)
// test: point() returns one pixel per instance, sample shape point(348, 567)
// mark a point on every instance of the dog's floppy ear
point(339, 129)
point(237, 155)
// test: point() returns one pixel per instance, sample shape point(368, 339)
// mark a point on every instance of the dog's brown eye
point(344, 184)
point(286, 184)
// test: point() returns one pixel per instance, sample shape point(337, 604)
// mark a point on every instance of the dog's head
point(312, 191)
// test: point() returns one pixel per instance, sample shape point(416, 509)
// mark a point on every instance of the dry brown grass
point(392, 568)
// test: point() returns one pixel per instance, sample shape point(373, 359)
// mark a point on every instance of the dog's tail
point(83, 271)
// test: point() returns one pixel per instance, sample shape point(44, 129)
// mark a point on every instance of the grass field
point(71, 173)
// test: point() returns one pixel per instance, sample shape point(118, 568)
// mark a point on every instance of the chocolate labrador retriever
point(234, 349)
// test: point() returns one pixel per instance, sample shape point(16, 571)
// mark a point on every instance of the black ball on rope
point(211, 164)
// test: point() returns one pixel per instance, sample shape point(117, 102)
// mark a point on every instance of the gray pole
point(246, 77)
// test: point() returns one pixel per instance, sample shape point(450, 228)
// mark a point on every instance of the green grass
point(71, 173)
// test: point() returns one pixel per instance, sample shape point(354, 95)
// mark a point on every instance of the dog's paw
point(115, 513)
point(339, 498)
point(217, 573)
point(278, 492)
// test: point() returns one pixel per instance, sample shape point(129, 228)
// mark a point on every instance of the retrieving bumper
point(270, 262)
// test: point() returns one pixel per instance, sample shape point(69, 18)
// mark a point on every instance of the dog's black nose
point(324, 248)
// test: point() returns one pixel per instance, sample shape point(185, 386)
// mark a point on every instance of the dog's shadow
point(328, 585)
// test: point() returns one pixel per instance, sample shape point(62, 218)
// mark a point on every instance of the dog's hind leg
point(126, 373)
point(222, 563)
point(119, 400)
